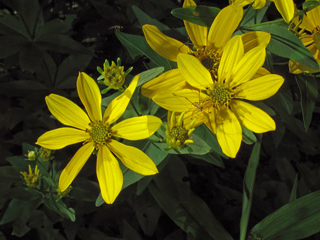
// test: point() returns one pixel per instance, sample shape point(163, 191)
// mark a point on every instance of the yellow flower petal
point(248, 66)
point(229, 132)
point(165, 46)
point(252, 118)
point(297, 68)
point(61, 137)
point(232, 54)
point(307, 22)
point(136, 128)
point(260, 88)
point(285, 8)
point(167, 82)
point(197, 34)
point(242, 3)
point(133, 158)
point(75, 165)
point(118, 105)
point(90, 96)
point(179, 101)
point(260, 73)
point(67, 112)
point(314, 17)
point(193, 71)
point(223, 26)
point(254, 39)
point(258, 4)
point(109, 175)
point(307, 40)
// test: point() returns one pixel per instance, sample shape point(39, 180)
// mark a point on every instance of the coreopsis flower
point(310, 37)
point(96, 132)
point(220, 102)
point(285, 7)
point(209, 47)
point(32, 178)
point(178, 133)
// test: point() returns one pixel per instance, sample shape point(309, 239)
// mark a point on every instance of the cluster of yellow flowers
point(212, 85)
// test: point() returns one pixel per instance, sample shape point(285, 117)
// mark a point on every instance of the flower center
point(222, 96)
point(99, 134)
point(210, 59)
point(179, 133)
point(114, 75)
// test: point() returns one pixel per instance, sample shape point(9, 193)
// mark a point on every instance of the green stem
point(48, 174)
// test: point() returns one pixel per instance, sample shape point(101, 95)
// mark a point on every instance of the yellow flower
point(178, 133)
point(285, 7)
point(209, 46)
point(240, 76)
point(311, 39)
point(31, 179)
point(96, 132)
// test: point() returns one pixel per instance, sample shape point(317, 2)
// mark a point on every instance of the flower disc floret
point(210, 59)
point(221, 96)
point(99, 134)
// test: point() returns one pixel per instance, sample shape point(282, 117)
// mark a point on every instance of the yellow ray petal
point(261, 72)
point(258, 4)
point(133, 158)
point(307, 40)
point(223, 26)
point(165, 46)
point(254, 39)
point(260, 88)
point(90, 96)
point(75, 165)
point(232, 54)
point(197, 34)
point(109, 175)
point(194, 72)
point(252, 117)
point(61, 137)
point(67, 112)
point(167, 82)
point(179, 101)
point(118, 105)
point(314, 17)
point(229, 132)
point(285, 8)
point(297, 68)
point(248, 66)
point(241, 3)
point(136, 128)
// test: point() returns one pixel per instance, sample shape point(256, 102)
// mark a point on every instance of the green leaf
point(247, 136)
point(23, 193)
point(30, 57)
point(193, 217)
point(84, 190)
point(293, 195)
point(57, 25)
point(129, 232)
point(62, 43)
point(285, 44)
point(137, 46)
point(148, 75)
point(254, 16)
point(295, 220)
point(309, 5)
point(144, 18)
point(248, 185)
point(211, 157)
point(309, 177)
point(200, 15)
point(13, 210)
point(309, 92)
point(9, 175)
point(10, 45)
point(57, 205)
point(22, 87)
point(286, 171)
point(10, 25)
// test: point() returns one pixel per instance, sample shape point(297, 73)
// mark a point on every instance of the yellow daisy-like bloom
point(96, 132)
point(219, 102)
point(209, 47)
point(310, 38)
point(178, 133)
point(285, 7)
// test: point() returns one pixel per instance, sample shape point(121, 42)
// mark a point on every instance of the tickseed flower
point(96, 132)
point(208, 47)
point(46, 154)
point(178, 134)
point(32, 178)
point(310, 37)
point(285, 7)
point(32, 155)
point(240, 77)
point(113, 76)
